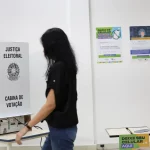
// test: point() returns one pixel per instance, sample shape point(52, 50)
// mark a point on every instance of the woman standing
point(60, 110)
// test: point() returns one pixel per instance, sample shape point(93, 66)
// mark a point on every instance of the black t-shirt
point(64, 86)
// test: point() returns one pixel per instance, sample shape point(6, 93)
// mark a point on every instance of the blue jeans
point(60, 139)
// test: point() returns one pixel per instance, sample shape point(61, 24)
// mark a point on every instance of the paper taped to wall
point(140, 43)
point(108, 44)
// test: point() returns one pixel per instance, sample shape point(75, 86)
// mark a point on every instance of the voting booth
point(14, 79)
point(15, 93)
point(15, 86)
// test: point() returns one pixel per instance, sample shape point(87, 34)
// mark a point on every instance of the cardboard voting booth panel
point(14, 79)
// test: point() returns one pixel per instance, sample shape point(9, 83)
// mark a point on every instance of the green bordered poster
point(108, 42)
point(134, 142)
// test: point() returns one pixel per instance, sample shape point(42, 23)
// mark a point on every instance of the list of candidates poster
point(14, 79)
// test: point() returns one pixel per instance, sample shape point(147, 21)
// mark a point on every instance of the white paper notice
point(109, 44)
point(140, 43)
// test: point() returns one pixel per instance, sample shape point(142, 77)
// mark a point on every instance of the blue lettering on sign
point(127, 146)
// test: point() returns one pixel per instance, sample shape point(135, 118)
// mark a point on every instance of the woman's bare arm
point(47, 108)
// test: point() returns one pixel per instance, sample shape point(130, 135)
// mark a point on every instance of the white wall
point(80, 33)
point(26, 21)
point(121, 91)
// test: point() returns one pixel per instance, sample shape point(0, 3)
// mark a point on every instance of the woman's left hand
point(20, 134)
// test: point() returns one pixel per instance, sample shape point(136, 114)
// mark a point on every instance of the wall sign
point(109, 44)
point(140, 43)
point(14, 79)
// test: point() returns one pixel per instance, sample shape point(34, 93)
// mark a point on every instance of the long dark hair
point(57, 48)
